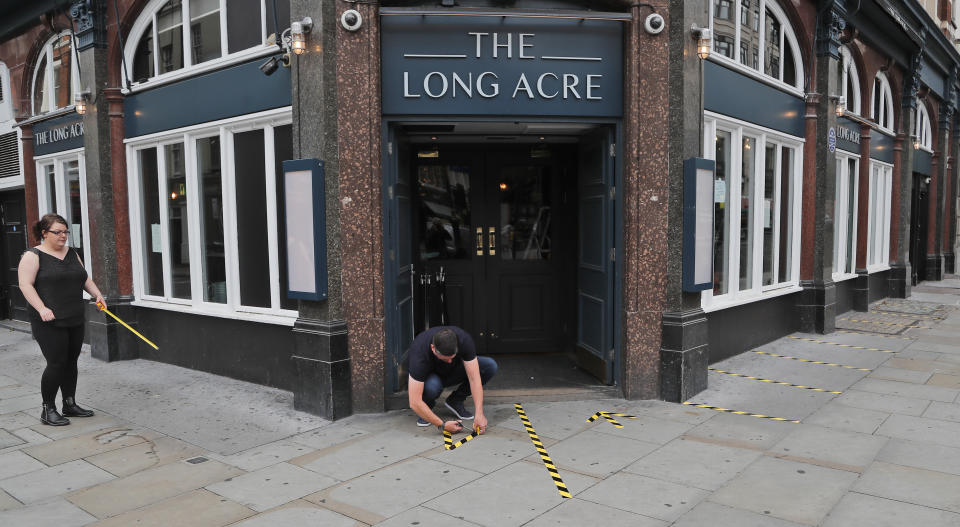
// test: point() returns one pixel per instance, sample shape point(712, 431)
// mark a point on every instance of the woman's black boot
point(50, 416)
point(70, 409)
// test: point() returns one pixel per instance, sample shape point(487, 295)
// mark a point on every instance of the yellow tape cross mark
point(812, 361)
point(450, 445)
point(551, 468)
point(738, 412)
point(609, 417)
point(773, 381)
point(851, 346)
point(882, 323)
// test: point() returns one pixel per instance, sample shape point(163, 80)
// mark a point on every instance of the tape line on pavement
point(739, 412)
point(450, 445)
point(771, 381)
point(812, 361)
point(609, 417)
point(867, 333)
point(851, 346)
point(547, 462)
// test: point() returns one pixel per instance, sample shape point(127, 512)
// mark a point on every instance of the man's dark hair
point(445, 341)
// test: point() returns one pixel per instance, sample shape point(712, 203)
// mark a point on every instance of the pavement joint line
point(867, 333)
point(450, 445)
point(740, 412)
point(811, 361)
point(609, 417)
point(544, 456)
point(883, 323)
point(771, 381)
point(851, 346)
point(902, 315)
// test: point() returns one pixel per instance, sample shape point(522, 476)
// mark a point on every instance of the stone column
point(900, 270)
point(29, 183)
point(818, 299)
point(684, 354)
point(951, 243)
point(861, 284)
point(109, 341)
point(938, 194)
point(321, 353)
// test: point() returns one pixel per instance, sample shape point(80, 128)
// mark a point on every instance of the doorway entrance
point(918, 228)
point(14, 225)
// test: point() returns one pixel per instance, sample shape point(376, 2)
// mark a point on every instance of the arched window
point(923, 130)
point(756, 35)
point(882, 103)
point(217, 32)
point(850, 82)
point(55, 75)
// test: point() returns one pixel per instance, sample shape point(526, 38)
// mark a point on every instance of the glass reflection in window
point(444, 192)
point(211, 216)
point(525, 213)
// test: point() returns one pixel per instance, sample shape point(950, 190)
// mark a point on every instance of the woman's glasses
point(58, 233)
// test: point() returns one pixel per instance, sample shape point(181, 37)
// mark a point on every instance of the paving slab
point(912, 485)
point(831, 448)
point(925, 345)
point(944, 411)
point(8, 381)
point(53, 481)
point(644, 428)
point(821, 352)
point(7, 502)
point(894, 404)
point(8, 440)
point(132, 459)
point(917, 354)
point(709, 514)
point(758, 397)
point(370, 453)
point(271, 486)
point(926, 456)
point(495, 449)
point(30, 437)
point(897, 374)
point(593, 453)
point(948, 381)
point(694, 463)
point(552, 420)
point(53, 512)
point(78, 426)
point(399, 487)
point(508, 497)
point(16, 463)
point(89, 444)
point(423, 517)
point(742, 431)
point(150, 486)
point(18, 390)
point(16, 420)
point(859, 339)
point(795, 372)
point(840, 416)
point(298, 517)
point(577, 513)
point(199, 507)
point(797, 492)
point(263, 455)
point(329, 435)
point(642, 495)
point(921, 429)
point(17, 404)
point(669, 411)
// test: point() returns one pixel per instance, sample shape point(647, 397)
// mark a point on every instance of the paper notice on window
point(767, 208)
point(719, 191)
point(155, 238)
point(77, 234)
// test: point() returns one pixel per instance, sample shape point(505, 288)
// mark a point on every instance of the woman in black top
point(52, 279)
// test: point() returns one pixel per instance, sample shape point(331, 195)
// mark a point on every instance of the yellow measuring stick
point(135, 332)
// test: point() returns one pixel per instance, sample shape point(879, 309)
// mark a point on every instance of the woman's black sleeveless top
point(60, 285)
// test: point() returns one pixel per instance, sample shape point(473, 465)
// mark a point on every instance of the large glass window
point(55, 76)
point(756, 211)
point(850, 82)
point(922, 129)
point(882, 108)
point(845, 216)
point(881, 183)
point(759, 39)
point(208, 226)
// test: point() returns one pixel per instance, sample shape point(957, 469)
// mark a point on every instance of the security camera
point(351, 20)
point(654, 24)
point(270, 66)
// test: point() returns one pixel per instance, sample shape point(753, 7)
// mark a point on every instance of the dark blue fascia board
point(881, 147)
point(734, 94)
point(923, 162)
point(236, 90)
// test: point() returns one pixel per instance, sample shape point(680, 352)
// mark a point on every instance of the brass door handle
point(492, 247)
point(479, 241)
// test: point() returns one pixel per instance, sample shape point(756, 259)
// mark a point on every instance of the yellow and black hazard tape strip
point(878, 323)
point(851, 346)
point(868, 334)
point(609, 417)
point(547, 462)
point(771, 381)
point(450, 445)
point(738, 412)
point(812, 361)
point(901, 315)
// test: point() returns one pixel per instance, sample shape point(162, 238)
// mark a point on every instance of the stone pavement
point(176, 447)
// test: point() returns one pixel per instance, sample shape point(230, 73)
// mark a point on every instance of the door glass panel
point(851, 216)
point(71, 170)
point(769, 212)
point(150, 205)
point(444, 192)
point(211, 215)
point(50, 177)
point(786, 205)
point(721, 224)
point(524, 213)
point(177, 221)
point(252, 237)
point(746, 209)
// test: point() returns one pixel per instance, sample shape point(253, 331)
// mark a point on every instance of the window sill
point(717, 305)
point(843, 277)
point(283, 318)
point(878, 268)
point(206, 67)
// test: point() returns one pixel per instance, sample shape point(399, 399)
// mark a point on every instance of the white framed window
point(176, 38)
point(849, 81)
point(882, 103)
point(757, 197)
point(845, 214)
point(206, 218)
point(62, 189)
point(754, 36)
point(924, 140)
point(55, 75)
point(878, 245)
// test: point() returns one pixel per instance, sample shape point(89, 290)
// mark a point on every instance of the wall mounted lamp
point(80, 102)
point(841, 104)
point(298, 35)
point(704, 40)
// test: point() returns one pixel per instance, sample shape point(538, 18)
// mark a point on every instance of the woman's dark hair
point(46, 222)
point(445, 341)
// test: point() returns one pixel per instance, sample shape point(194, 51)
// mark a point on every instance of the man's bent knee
point(488, 368)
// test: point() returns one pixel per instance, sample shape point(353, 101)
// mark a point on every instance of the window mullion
point(775, 214)
point(224, 50)
point(263, 21)
point(48, 94)
point(186, 34)
point(194, 216)
point(271, 196)
point(840, 243)
point(736, 38)
point(756, 216)
point(133, 205)
point(162, 193)
point(61, 180)
point(761, 29)
point(230, 236)
point(156, 49)
point(736, 180)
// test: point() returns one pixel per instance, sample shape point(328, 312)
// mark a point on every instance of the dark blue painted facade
point(881, 147)
point(923, 162)
point(730, 93)
point(58, 134)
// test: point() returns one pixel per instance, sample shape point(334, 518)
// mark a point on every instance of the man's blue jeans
point(434, 384)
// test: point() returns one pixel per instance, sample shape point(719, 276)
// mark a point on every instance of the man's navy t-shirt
point(421, 361)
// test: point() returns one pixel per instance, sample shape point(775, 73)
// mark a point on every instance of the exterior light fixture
point(916, 145)
point(841, 106)
point(80, 102)
point(298, 35)
point(704, 40)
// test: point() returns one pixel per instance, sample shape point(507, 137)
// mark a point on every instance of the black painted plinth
point(899, 281)
point(861, 291)
point(110, 341)
point(322, 362)
point(684, 355)
point(950, 263)
point(818, 306)
point(934, 269)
